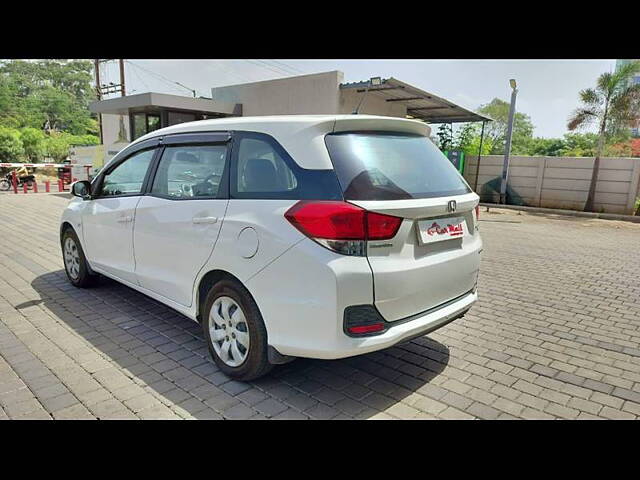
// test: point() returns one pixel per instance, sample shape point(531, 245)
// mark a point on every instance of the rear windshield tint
point(392, 166)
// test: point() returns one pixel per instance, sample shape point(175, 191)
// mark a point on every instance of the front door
point(177, 224)
point(108, 218)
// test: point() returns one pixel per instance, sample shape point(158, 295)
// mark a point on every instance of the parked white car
point(288, 236)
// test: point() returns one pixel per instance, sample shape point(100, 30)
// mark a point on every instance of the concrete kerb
point(570, 213)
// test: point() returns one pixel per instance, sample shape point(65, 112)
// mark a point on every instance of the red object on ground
point(47, 186)
point(64, 173)
point(24, 187)
point(14, 181)
point(60, 186)
point(35, 187)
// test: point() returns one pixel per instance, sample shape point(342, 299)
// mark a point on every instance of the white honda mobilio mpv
point(320, 236)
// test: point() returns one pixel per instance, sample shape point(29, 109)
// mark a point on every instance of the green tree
point(445, 136)
point(496, 131)
point(10, 145)
point(10, 113)
point(84, 139)
point(474, 146)
point(614, 104)
point(464, 136)
point(33, 142)
point(579, 145)
point(47, 95)
point(545, 147)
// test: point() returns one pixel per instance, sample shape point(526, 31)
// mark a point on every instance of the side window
point(128, 177)
point(189, 171)
point(261, 169)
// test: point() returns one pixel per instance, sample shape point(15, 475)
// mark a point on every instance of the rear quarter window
point(262, 169)
point(392, 166)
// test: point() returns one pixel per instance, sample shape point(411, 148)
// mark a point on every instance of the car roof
point(268, 123)
point(301, 135)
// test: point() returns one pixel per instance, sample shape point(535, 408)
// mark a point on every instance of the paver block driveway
point(555, 334)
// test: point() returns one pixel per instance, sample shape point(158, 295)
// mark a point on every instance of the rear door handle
point(200, 220)
point(125, 219)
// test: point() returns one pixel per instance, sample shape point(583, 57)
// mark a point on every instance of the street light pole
point(507, 147)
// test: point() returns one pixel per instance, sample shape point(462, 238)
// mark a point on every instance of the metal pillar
point(475, 183)
point(507, 147)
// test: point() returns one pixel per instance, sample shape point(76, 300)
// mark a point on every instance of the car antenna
point(373, 81)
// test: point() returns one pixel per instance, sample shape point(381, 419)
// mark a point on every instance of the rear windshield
point(392, 166)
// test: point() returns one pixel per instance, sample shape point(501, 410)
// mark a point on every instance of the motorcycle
point(7, 181)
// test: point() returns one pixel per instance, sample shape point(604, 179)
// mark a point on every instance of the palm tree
point(614, 104)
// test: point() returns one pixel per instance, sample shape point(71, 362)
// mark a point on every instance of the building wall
point(558, 182)
point(111, 128)
point(304, 94)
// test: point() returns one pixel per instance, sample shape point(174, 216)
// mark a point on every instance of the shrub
point(11, 149)
point(57, 146)
point(33, 142)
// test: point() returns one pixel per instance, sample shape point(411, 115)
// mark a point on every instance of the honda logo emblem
point(451, 206)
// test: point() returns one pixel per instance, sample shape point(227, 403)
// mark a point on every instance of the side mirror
point(82, 189)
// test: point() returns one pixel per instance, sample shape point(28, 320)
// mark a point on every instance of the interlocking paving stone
point(555, 334)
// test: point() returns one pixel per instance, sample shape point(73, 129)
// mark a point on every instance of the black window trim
point(297, 170)
point(193, 139)
point(119, 159)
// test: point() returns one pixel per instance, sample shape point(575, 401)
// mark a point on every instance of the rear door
point(178, 222)
point(434, 256)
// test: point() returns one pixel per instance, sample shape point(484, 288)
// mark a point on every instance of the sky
point(547, 89)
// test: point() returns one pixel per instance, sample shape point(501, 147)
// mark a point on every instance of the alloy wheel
point(229, 331)
point(72, 258)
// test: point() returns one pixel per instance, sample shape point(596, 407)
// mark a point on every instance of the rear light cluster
point(340, 226)
point(477, 212)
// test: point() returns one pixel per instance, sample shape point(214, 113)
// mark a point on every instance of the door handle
point(200, 220)
point(125, 219)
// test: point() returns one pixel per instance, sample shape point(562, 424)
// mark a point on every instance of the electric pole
point(96, 67)
point(102, 90)
point(122, 90)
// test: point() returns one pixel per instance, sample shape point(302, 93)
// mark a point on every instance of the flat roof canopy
point(122, 105)
point(420, 104)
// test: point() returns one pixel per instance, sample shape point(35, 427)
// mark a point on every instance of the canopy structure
point(420, 104)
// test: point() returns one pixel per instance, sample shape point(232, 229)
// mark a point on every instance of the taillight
point(382, 227)
point(341, 226)
point(477, 212)
point(328, 220)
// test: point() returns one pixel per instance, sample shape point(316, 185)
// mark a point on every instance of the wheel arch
point(207, 281)
point(65, 225)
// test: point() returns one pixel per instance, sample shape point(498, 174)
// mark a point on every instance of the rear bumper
point(303, 296)
point(398, 332)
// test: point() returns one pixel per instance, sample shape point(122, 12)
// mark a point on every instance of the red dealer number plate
point(438, 229)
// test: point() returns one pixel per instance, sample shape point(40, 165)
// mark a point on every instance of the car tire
point(227, 331)
point(75, 263)
point(5, 185)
